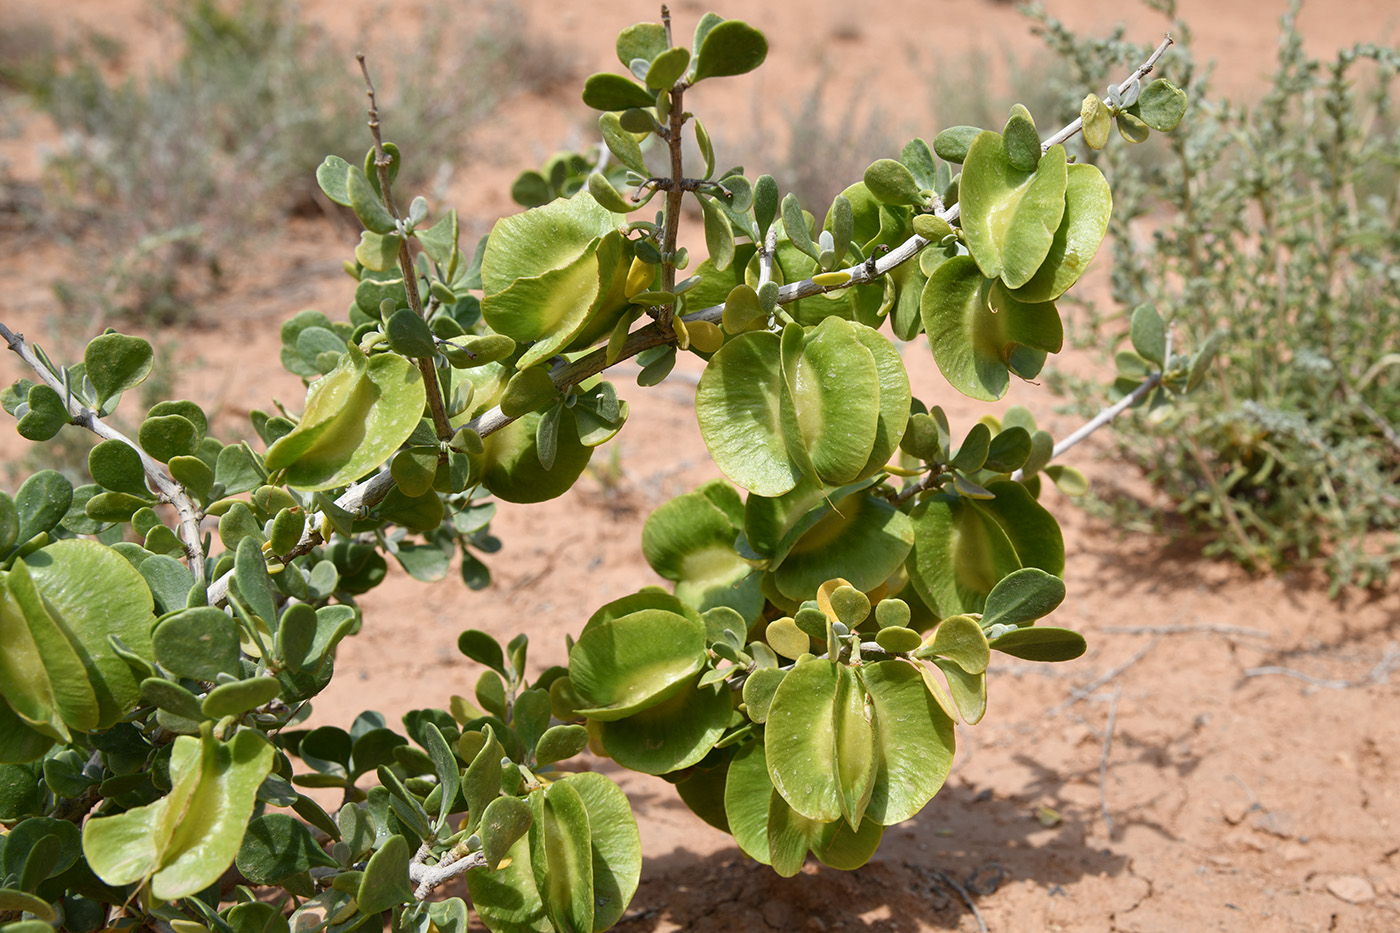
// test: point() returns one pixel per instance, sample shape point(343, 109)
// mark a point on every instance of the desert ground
point(1223, 758)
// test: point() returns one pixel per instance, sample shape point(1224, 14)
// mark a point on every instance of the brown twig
point(441, 425)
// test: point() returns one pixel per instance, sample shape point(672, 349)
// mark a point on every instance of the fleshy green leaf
point(914, 757)
point(46, 416)
point(409, 334)
point(690, 540)
point(1022, 140)
point(115, 363)
point(641, 40)
point(963, 548)
point(1149, 334)
point(354, 417)
point(1162, 105)
point(198, 644)
point(605, 91)
point(960, 640)
point(332, 176)
point(561, 854)
point(385, 882)
point(1088, 204)
point(277, 846)
point(737, 403)
point(184, 841)
point(366, 203)
point(672, 734)
point(1097, 121)
point(630, 663)
point(622, 143)
point(1010, 215)
point(800, 738)
point(952, 144)
point(240, 696)
point(892, 182)
point(1041, 643)
point(731, 47)
point(559, 743)
point(1131, 128)
point(96, 594)
point(830, 400)
point(667, 68)
point(719, 235)
point(974, 324)
point(506, 820)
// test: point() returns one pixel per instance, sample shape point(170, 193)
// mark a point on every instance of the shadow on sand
point(963, 846)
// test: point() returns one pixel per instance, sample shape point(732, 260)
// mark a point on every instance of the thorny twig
point(1107, 415)
point(947, 881)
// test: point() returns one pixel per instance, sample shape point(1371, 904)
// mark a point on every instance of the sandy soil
point(1222, 757)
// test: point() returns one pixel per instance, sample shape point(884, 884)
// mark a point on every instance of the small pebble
point(1352, 888)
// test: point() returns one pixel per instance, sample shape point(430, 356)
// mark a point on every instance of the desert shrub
point(152, 180)
point(1274, 227)
point(836, 601)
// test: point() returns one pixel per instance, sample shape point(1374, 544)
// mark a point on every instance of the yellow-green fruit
point(639, 277)
point(512, 470)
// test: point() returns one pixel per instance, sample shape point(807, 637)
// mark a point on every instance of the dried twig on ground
point(1378, 675)
point(1103, 759)
point(1083, 692)
point(1186, 630)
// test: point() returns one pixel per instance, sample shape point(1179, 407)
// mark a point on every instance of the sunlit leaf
point(963, 548)
point(914, 742)
point(184, 841)
point(629, 663)
point(1022, 597)
point(974, 323)
point(1010, 215)
point(737, 403)
point(672, 734)
point(1088, 204)
point(353, 418)
point(1162, 105)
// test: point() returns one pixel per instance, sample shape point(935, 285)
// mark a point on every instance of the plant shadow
point(960, 849)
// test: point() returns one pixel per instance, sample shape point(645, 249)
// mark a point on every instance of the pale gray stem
point(1106, 416)
point(765, 259)
point(428, 877)
point(165, 486)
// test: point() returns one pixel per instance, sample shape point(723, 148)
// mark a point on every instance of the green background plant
point(1274, 227)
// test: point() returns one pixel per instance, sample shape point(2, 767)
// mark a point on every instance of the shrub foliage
point(835, 604)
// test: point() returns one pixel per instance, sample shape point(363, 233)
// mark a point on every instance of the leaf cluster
point(835, 602)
